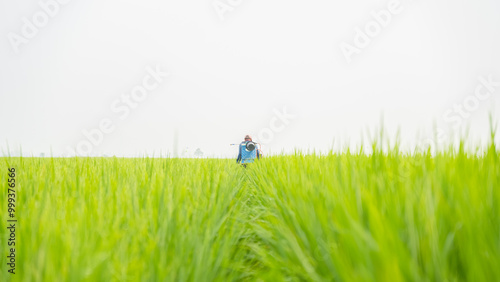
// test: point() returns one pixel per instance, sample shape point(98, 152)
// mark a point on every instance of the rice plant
point(384, 216)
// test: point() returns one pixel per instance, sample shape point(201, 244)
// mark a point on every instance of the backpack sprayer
point(250, 146)
point(249, 151)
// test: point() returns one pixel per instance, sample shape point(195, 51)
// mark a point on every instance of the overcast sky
point(90, 77)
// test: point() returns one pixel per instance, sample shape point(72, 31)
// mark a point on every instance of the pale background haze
point(228, 77)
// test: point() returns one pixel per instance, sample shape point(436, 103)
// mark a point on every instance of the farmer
point(245, 155)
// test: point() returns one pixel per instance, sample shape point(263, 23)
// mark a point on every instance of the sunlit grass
point(385, 216)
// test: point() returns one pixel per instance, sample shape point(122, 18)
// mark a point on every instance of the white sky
point(227, 78)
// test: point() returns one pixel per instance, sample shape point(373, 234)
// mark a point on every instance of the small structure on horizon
point(198, 153)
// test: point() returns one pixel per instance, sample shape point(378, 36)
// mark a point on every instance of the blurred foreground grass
point(386, 216)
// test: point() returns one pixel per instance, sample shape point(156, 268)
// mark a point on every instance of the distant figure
point(247, 154)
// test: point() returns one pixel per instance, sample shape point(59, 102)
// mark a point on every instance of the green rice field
point(350, 216)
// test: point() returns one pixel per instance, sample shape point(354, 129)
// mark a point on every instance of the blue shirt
point(245, 156)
